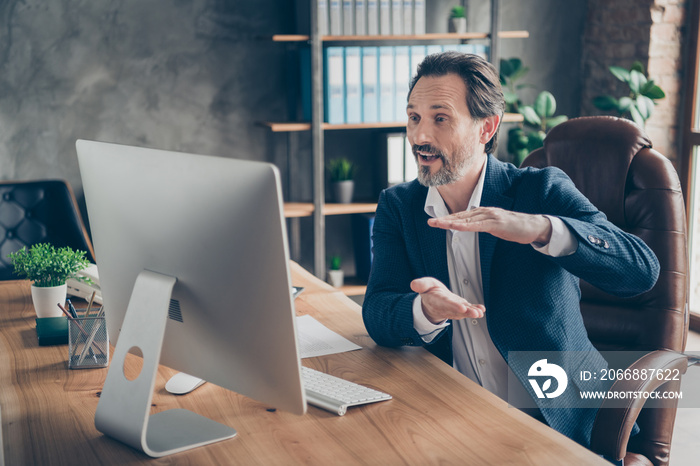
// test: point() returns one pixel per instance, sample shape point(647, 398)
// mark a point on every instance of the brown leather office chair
point(611, 161)
point(42, 211)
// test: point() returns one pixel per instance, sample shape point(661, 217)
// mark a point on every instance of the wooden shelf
point(355, 208)
point(353, 287)
point(512, 118)
point(306, 209)
point(286, 127)
point(353, 290)
point(426, 37)
point(298, 209)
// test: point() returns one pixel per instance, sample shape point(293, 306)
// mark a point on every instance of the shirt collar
point(435, 205)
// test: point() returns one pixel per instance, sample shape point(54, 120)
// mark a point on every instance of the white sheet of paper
point(315, 339)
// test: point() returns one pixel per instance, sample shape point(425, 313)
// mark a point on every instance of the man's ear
point(489, 126)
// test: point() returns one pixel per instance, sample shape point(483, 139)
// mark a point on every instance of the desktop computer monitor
point(194, 270)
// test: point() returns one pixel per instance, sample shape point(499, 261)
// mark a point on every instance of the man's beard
point(449, 172)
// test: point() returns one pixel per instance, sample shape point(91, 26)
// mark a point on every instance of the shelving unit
point(286, 127)
point(318, 209)
point(413, 38)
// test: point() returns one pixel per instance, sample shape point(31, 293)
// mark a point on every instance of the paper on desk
point(315, 339)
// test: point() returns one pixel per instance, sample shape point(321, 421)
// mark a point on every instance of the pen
point(72, 309)
point(65, 311)
point(92, 298)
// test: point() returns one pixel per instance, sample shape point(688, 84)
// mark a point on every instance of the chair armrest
point(613, 425)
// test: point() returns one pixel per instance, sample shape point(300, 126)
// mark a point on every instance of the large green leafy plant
point(537, 118)
point(512, 71)
point(48, 266)
point(639, 104)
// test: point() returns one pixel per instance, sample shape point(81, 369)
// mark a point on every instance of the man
point(477, 258)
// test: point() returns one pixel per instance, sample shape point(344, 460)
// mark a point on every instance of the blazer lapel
point(496, 182)
point(434, 244)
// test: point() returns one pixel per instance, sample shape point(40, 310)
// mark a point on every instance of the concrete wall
point(180, 75)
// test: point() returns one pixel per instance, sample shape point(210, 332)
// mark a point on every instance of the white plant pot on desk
point(47, 298)
point(335, 278)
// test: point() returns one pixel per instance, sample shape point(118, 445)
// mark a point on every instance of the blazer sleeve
point(607, 257)
point(387, 307)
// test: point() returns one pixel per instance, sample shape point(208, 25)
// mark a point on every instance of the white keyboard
point(335, 394)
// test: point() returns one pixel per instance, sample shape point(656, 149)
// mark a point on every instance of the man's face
point(441, 131)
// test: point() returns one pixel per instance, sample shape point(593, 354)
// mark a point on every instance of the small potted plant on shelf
point(342, 172)
point(48, 268)
point(458, 19)
point(335, 274)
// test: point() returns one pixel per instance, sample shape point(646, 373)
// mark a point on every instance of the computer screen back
point(217, 225)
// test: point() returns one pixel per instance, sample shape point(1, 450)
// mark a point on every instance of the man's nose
point(421, 134)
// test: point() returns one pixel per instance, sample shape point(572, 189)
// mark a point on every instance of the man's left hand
point(511, 226)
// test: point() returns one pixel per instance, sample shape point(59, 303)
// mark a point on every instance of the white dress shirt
point(474, 353)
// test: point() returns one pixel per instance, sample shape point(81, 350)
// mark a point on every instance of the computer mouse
point(181, 383)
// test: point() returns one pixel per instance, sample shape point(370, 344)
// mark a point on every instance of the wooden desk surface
point(437, 416)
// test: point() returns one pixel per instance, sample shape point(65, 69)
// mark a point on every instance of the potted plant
point(512, 71)
point(458, 19)
point(537, 120)
point(48, 268)
point(335, 274)
point(639, 104)
point(342, 172)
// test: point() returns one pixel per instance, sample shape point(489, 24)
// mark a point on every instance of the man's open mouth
point(427, 155)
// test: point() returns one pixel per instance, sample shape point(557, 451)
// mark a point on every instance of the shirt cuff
point(562, 243)
point(426, 329)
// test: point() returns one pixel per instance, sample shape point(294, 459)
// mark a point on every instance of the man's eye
point(440, 118)
point(413, 118)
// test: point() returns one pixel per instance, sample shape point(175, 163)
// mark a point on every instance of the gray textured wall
point(181, 75)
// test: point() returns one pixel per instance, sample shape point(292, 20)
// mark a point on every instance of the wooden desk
point(437, 416)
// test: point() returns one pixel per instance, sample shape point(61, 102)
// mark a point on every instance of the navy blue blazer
point(531, 299)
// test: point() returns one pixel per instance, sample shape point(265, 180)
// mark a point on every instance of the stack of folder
point(371, 17)
point(370, 84)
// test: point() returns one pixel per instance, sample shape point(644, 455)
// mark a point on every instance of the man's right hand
point(439, 303)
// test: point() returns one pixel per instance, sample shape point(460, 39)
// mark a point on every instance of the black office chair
point(43, 211)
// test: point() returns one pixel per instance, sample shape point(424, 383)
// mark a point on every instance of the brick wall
point(618, 32)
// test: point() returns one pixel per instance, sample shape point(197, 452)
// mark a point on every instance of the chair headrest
point(581, 143)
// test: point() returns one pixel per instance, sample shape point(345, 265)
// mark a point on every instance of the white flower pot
point(335, 278)
point(342, 191)
point(458, 25)
point(47, 298)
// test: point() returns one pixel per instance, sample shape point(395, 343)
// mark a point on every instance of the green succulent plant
point(335, 262)
point(457, 11)
point(48, 266)
point(341, 169)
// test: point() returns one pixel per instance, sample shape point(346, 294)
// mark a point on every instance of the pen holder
point(88, 343)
